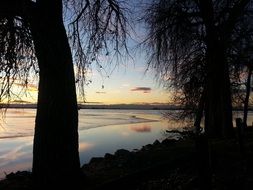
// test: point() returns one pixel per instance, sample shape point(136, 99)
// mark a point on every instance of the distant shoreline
point(113, 106)
point(105, 106)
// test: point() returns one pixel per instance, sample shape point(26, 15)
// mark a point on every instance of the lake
point(100, 131)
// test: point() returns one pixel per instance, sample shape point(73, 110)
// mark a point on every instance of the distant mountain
point(128, 106)
point(100, 106)
point(23, 104)
point(19, 105)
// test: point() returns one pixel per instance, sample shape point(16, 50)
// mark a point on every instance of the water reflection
point(83, 146)
point(100, 132)
point(141, 128)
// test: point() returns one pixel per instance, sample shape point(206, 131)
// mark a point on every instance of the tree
point(242, 60)
point(30, 29)
point(188, 42)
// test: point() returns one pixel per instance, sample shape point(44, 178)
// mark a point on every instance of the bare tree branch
point(98, 29)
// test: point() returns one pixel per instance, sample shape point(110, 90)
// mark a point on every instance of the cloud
point(100, 92)
point(142, 89)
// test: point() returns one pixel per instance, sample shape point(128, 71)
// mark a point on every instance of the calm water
point(100, 131)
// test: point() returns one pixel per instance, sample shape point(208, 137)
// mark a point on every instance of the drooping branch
point(17, 57)
point(178, 31)
point(176, 49)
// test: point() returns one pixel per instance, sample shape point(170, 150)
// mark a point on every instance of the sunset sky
point(127, 84)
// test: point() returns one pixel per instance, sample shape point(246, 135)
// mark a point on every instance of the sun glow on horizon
point(125, 85)
point(111, 94)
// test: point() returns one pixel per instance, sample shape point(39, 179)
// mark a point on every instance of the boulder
point(122, 153)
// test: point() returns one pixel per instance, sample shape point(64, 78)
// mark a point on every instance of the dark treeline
point(201, 49)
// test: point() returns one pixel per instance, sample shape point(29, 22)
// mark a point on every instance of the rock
point(96, 160)
point(18, 175)
point(147, 147)
point(156, 143)
point(10, 176)
point(108, 156)
point(122, 152)
point(168, 141)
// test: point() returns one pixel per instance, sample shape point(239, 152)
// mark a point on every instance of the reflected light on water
point(83, 146)
point(141, 128)
point(100, 131)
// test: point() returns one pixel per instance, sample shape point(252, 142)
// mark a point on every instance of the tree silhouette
point(188, 45)
point(240, 61)
point(34, 40)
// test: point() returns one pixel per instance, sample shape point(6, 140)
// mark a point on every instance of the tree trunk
point(199, 112)
point(218, 106)
point(246, 101)
point(55, 152)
